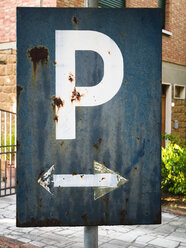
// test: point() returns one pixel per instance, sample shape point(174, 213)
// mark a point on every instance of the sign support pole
point(91, 3)
point(91, 232)
point(91, 237)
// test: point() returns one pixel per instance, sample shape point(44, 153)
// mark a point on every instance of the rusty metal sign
point(89, 127)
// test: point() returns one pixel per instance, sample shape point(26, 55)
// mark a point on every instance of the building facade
point(173, 53)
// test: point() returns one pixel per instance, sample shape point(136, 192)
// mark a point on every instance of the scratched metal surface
point(123, 134)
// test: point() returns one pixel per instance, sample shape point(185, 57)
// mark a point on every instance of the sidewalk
point(170, 234)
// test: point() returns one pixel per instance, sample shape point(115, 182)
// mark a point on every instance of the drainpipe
point(91, 3)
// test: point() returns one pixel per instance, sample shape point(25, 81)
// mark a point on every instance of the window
point(111, 3)
point(179, 91)
point(162, 5)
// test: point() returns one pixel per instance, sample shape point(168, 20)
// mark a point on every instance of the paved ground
point(170, 234)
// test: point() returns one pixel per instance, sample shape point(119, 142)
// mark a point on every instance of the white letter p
point(67, 94)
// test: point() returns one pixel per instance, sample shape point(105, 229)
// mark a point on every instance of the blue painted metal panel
point(124, 134)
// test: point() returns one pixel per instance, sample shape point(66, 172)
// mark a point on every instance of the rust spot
point(122, 215)
point(76, 95)
point(19, 90)
point(126, 82)
point(35, 222)
point(127, 201)
point(103, 178)
point(106, 202)
point(85, 219)
point(40, 174)
point(58, 102)
point(74, 174)
point(40, 202)
point(100, 222)
point(62, 143)
point(109, 52)
point(157, 219)
point(17, 143)
point(135, 170)
point(38, 55)
point(67, 213)
point(82, 176)
point(54, 63)
point(56, 118)
point(138, 139)
point(97, 146)
point(75, 21)
point(71, 77)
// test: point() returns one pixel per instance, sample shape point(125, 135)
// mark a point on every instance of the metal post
point(91, 3)
point(91, 237)
point(91, 232)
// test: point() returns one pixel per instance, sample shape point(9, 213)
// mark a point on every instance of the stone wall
point(179, 114)
point(7, 79)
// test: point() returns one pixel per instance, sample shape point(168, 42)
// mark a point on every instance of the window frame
point(111, 4)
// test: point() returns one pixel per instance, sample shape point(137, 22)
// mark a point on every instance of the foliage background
point(173, 168)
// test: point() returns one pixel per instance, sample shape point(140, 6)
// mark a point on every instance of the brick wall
point(141, 3)
point(173, 47)
point(70, 3)
point(7, 79)
point(8, 15)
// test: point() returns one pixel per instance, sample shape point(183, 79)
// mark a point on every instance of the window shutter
point(111, 3)
point(162, 5)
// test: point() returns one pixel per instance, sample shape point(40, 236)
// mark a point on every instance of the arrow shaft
point(85, 180)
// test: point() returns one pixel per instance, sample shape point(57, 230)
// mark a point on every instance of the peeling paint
point(100, 168)
point(103, 181)
point(46, 179)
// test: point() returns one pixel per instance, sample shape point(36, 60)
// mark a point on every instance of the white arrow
point(103, 181)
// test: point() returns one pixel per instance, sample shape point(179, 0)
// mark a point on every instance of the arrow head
point(101, 191)
point(46, 180)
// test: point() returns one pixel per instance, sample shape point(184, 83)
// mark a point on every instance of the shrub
point(174, 166)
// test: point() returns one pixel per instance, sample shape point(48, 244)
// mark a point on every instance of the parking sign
point(89, 126)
